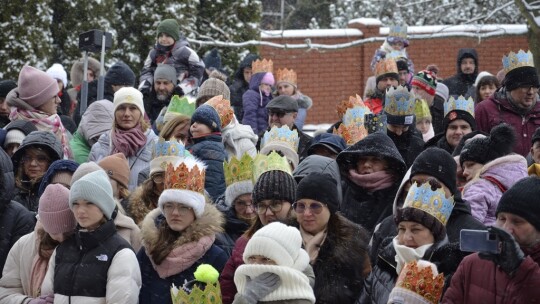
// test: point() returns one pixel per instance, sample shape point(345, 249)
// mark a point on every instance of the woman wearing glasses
point(337, 247)
point(36, 153)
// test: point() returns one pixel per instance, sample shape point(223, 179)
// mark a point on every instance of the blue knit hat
point(94, 187)
point(120, 74)
point(205, 114)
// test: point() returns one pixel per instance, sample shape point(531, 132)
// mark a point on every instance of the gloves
point(260, 286)
point(46, 299)
point(510, 257)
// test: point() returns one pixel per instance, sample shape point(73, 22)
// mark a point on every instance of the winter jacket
point(492, 285)
point(375, 101)
point(136, 162)
point(156, 289)
point(238, 139)
point(211, 151)
point(483, 192)
point(497, 109)
point(153, 106)
point(80, 148)
point(64, 107)
point(409, 144)
point(439, 141)
point(322, 164)
point(93, 267)
point(240, 86)
point(254, 103)
point(234, 228)
point(460, 83)
point(128, 230)
point(304, 104)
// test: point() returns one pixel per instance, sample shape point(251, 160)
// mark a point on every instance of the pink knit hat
point(36, 87)
point(54, 213)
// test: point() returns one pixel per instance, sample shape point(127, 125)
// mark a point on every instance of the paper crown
point(432, 202)
point(386, 66)
point(343, 105)
point(169, 148)
point(190, 292)
point(521, 59)
point(223, 108)
point(399, 101)
point(356, 115)
point(461, 104)
point(283, 135)
point(188, 175)
point(422, 279)
point(376, 123)
point(237, 170)
point(181, 105)
point(285, 75)
point(421, 109)
point(399, 31)
point(262, 66)
point(273, 161)
point(351, 133)
point(397, 55)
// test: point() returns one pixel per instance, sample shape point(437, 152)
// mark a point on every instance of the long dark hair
point(486, 80)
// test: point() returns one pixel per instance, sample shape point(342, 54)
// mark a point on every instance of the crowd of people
point(184, 184)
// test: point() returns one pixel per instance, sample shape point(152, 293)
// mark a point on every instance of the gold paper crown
point(343, 105)
point(237, 170)
point(422, 281)
point(189, 175)
point(283, 135)
point(285, 75)
point(223, 108)
point(351, 133)
point(398, 31)
point(210, 295)
point(432, 202)
point(399, 101)
point(421, 109)
point(461, 104)
point(262, 66)
point(385, 66)
point(521, 59)
point(263, 163)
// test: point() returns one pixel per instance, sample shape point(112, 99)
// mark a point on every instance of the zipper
point(81, 257)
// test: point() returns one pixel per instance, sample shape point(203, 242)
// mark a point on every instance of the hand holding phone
point(479, 241)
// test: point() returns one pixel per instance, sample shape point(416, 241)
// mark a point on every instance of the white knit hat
point(236, 189)
point(14, 136)
point(94, 187)
point(128, 95)
point(280, 243)
point(57, 72)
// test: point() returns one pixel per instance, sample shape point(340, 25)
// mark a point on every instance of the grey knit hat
point(214, 86)
point(94, 187)
point(275, 184)
point(165, 71)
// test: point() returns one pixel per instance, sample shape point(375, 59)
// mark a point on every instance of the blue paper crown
point(376, 123)
point(398, 31)
point(516, 60)
point(356, 115)
point(284, 134)
point(432, 202)
point(461, 104)
point(399, 101)
point(169, 148)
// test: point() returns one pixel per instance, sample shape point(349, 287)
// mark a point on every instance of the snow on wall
point(311, 33)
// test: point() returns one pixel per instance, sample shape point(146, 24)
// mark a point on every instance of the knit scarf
point(129, 141)
point(312, 243)
point(372, 181)
point(183, 257)
point(406, 254)
point(39, 268)
point(44, 122)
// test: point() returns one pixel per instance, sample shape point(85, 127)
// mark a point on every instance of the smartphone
point(479, 241)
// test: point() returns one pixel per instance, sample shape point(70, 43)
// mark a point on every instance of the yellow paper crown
point(188, 175)
point(273, 161)
point(262, 66)
point(351, 133)
point(421, 109)
point(223, 108)
point(237, 170)
point(210, 294)
point(285, 75)
point(343, 105)
point(460, 104)
point(385, 66)
point(433, 202)
point(517, 60)
point(421, 280)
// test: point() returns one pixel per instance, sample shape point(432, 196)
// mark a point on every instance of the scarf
point(406, 254)
point(162, 52)
point(519, 110)
point(39, 268)
point(183, 257)
point(129, 141)
point(312, 243)
point(372, 181)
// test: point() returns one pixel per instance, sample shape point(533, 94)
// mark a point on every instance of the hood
point(7, 180)
point(255, 81)
point(246, 62)
point(467, 53)
point(304, 101)
point(41, 139)
point(507, 169)
point(235, 131)
point(322, 164)
point(56, 166)
point(97, 119)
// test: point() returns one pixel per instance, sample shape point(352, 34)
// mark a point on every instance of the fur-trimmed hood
point(304, 101)
point(507, 170)
point(210, 223)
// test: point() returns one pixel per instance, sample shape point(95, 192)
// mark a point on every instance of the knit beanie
point(402, 65)
point(94, 187)
point(17, 130)
point(214, 86)
point(500, 142)
point(426, 81)
point(167, 72)
point(117, 167)
point(521, 77)
point(320, 187)
point(129, 95)
point(57, 72)
point(54, 212)
point(83, 170)
point(480, 76)
point(438, 163)
point(442, 91)
point(120, 74)
point(522, 200)
point(280, 243)
point(207, 115)
point(6, 86)
point(236, 189)
point(459, 114)
point(276, 185)
point(268, 79)
point(212, 60)
point(36, 87)
point(14, 136)
point(467, 138)
point(169, 27)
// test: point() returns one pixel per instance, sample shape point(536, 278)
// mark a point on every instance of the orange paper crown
point(343, 105)
point(223, 108)
point(189, 175)
point(351, 133)
point(262, 66)
point(421, 279)
point(285, 75)
point(385, 66)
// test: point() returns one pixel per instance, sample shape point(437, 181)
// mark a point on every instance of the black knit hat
point(438, 163)
point(521, 77)
point(536, 136)
point(275, 184)
point(459, 114)
point(212, 60)
point(522, 200)
point(466, 138)
point(320, 187)
point(207, 115)
point(500, 142)
point(120, 74)
point(6, 86)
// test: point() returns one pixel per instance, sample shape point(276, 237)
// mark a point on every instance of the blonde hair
point(168, 128)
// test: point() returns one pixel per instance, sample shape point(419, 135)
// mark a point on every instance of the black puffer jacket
point(439, 141)
point(409, 144)
point(211, 151)
point(460, 83)
point(15, 220)
point(240, 86)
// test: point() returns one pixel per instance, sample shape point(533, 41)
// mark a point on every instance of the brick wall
point(328, 76)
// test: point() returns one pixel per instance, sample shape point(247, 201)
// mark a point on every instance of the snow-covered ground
point(311, 129)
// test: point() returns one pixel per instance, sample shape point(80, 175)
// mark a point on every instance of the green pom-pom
point(207, 274)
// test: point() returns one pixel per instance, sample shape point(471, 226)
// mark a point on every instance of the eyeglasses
point(169, 208)
point(275, 206)
point(243, 204)
point(158, 178)
point(279, 114)
point(314, 208)
point(40, 159)
point(529, 87)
